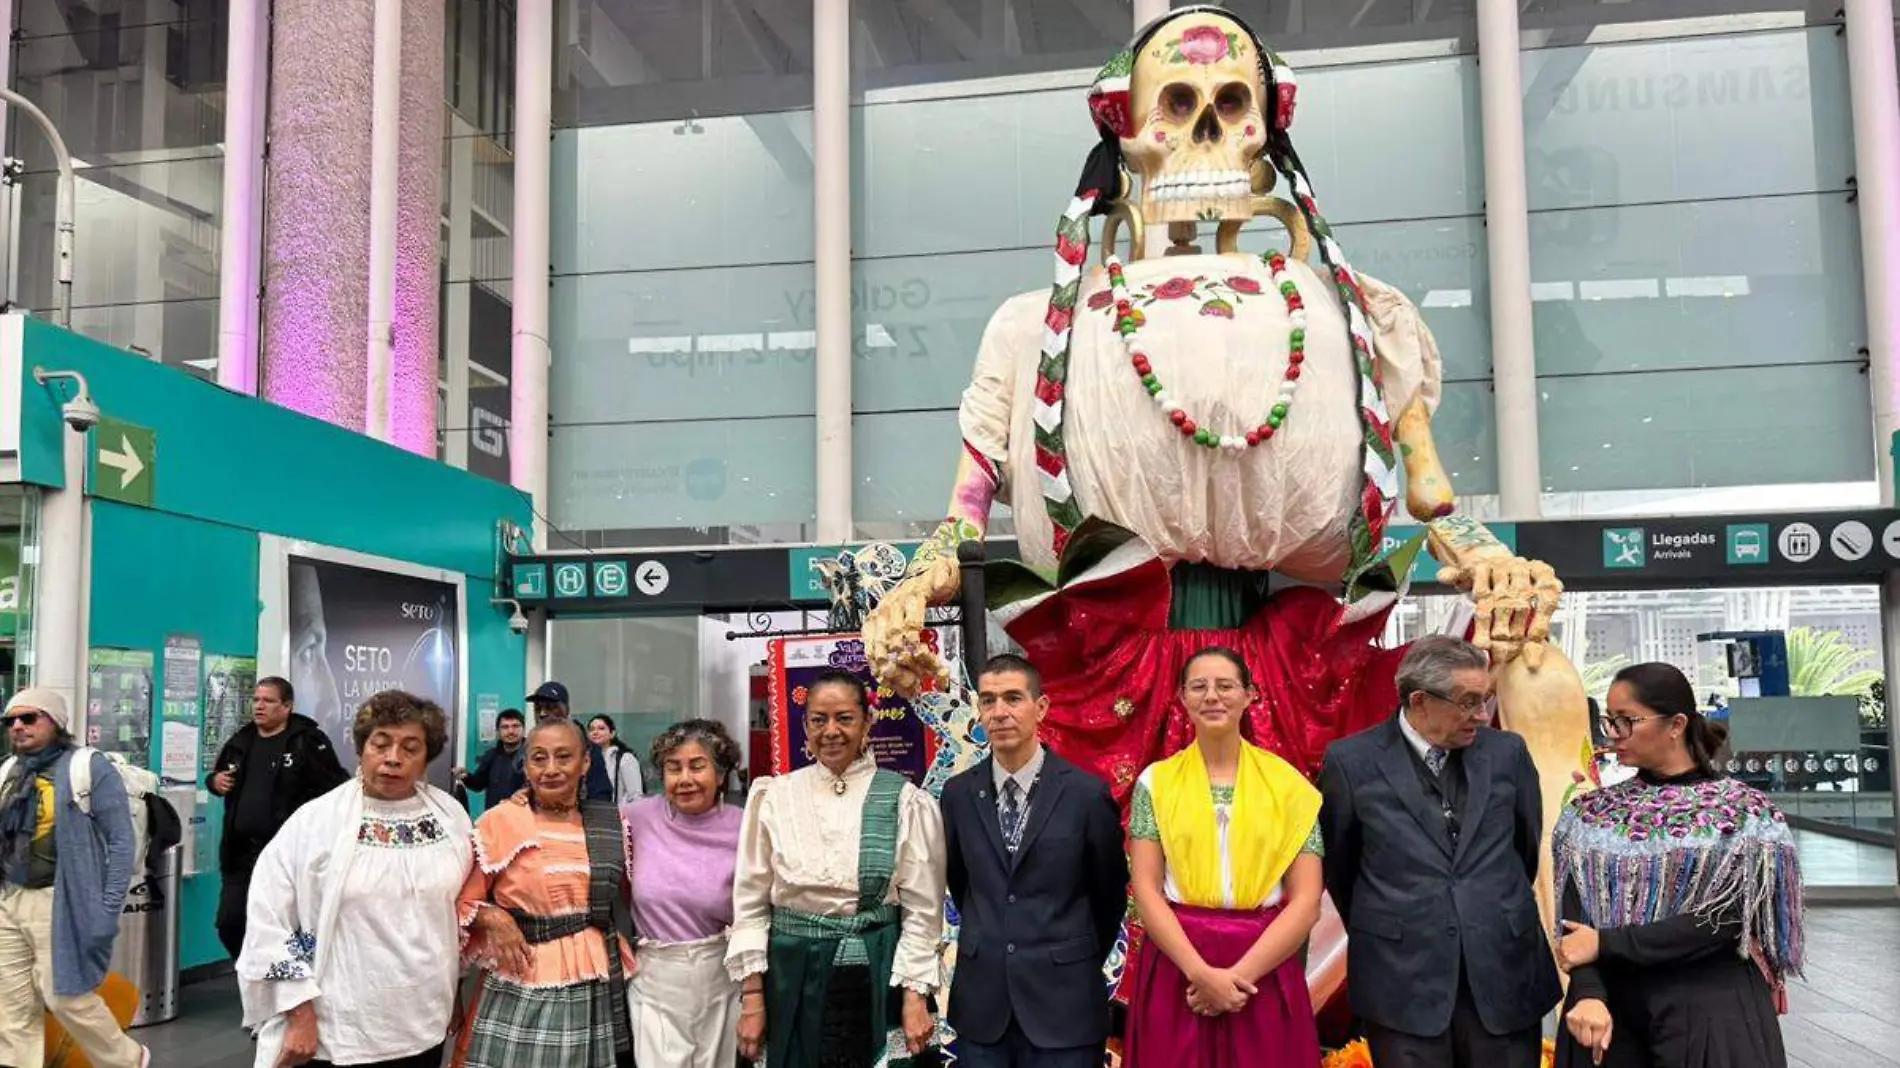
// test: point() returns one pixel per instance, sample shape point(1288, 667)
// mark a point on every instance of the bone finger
point(1482, 579)
point(1534, 654)
point(1481, 629)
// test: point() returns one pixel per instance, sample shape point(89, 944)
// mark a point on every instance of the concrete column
point(60, 601)
point(1147, 11)
point(416, 351)
point(317, 219)
point(528, 366)
point(831, 165)
point(240, 233)
point(385, 153)
point(1507, 233)
point(1871, 79)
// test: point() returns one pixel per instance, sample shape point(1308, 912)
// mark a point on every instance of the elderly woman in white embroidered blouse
point(351, 950)
point(839, 889)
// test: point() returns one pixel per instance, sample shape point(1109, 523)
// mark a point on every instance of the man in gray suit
point(1432, 822)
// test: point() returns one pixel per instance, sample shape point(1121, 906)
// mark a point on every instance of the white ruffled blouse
point(798, 849)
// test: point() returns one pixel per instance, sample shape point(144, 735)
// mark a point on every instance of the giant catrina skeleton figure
point(1171, 431)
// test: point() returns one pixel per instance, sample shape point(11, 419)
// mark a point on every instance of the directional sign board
point(124, 462)
point(1606, 554)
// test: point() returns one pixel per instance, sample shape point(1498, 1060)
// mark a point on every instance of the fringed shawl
point(1640, 853)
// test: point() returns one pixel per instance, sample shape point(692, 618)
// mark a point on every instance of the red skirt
point(1275, 1030)
point(1112, 670)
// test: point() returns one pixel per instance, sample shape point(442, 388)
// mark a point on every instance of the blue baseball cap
point(548, 693)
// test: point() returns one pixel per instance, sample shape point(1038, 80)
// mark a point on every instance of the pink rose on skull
point(1240, 283)
point(1174, 289)
point(1203, 45)
point(1101, 300)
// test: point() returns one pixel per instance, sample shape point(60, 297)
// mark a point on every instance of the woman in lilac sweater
point(681, 848)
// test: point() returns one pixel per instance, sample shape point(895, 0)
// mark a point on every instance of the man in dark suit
point(1432, 822)
point(1038, 872)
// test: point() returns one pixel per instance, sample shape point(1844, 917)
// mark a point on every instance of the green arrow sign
point(124, 462)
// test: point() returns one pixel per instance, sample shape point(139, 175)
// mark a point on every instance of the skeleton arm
point(893, 631)
point(1516, 597)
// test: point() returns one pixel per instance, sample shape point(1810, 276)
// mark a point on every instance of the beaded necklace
point(1199, 431)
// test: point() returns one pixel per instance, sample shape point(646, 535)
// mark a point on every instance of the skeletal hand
point(1516, 598)
point(894, 630)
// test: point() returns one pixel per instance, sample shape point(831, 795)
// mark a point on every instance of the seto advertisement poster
point(355, 632)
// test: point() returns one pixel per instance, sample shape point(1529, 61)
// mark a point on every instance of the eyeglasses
point(1223, 687)
point(1475, 705)
point(24, 719)
point(1623, 726)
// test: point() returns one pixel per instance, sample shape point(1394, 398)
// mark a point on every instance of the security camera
point(517, 620)
point(80, 412)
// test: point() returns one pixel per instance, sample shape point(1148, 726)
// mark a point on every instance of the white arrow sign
point(126, 461)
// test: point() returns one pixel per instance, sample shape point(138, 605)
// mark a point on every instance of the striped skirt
point(516, 1025)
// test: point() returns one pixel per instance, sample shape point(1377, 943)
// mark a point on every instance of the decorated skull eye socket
point(1232, 101)
point(1179, 102)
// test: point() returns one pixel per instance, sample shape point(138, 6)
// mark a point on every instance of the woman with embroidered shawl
point(545, 912)
point(837, 901)
point(1226, 851)
point(1681, 897)
point(350, 944)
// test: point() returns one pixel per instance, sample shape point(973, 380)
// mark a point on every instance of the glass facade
point(477, 247)
point(681, 407)
point(136, 89)
point(1696, 253)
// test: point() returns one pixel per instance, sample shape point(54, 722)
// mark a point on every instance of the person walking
point(1040, 880)
point(63, 876)
point(1432, 823)
point(623, 766)
point(273, 766)
point(353, 947)
point(544, 910)
point(498, 772)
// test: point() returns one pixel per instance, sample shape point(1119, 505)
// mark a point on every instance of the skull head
point(1196, 97)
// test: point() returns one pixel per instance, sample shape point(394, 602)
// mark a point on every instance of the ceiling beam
point(967, 42)
point(791, 24)
point(886, 34)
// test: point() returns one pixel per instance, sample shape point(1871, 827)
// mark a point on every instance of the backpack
point(155, 823)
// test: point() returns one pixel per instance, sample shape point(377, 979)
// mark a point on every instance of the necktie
point(1435, 760)
point(1012, 814)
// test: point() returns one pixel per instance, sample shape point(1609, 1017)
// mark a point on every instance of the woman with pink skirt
point(1226, 851)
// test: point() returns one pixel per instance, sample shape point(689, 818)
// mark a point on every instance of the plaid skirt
point(516, 1026)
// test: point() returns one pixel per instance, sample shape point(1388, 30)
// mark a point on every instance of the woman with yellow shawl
point(1226, 855)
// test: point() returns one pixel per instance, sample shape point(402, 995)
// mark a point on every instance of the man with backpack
point(65, 863)
point(268, 770)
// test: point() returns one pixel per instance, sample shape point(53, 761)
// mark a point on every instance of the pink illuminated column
point(316, 231)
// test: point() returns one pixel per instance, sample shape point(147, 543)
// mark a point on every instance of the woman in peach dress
point(543, 904)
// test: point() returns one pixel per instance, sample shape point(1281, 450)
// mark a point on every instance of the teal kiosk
point(231, 539)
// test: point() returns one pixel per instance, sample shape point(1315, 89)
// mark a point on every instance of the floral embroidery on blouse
point(1142, 825)
point(302, 946)
point(400, 833)
point(1717, 807)
point(1216, 296)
